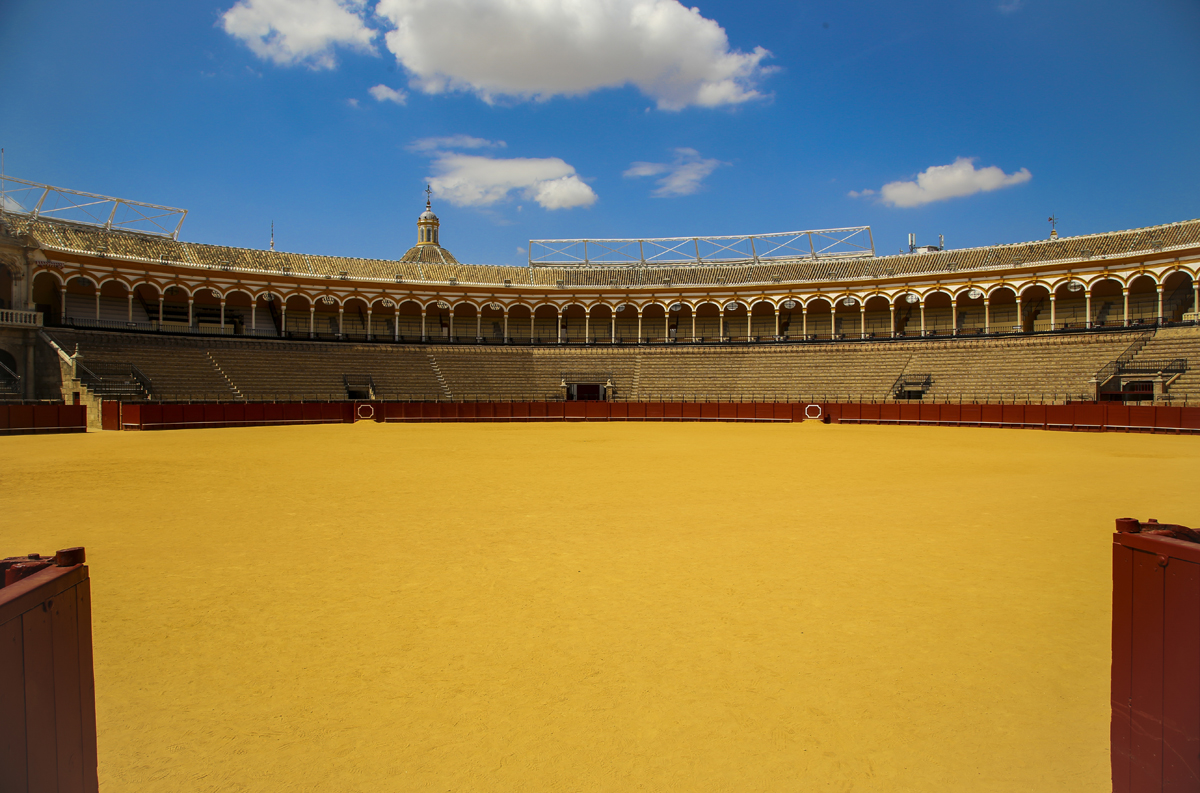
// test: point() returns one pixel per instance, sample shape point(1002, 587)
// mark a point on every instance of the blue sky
point(618, 118)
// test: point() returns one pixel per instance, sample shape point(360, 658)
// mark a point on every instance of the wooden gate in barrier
point(1155, 731)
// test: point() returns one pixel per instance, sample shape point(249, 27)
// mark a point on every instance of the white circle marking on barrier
point(809, 415)
point(369, 415)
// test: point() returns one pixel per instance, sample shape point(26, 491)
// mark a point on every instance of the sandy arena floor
point(536, 607)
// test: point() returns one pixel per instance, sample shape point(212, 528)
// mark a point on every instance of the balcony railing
point(24, 319)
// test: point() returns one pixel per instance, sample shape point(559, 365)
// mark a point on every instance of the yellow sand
point(596, 606)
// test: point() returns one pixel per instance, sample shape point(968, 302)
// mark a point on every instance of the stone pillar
point(1020, 316)
point(862, 320)
point(160, 307)
point(1195, 295)
point(396, 323)
point(368, 323)
point(987, 315)
point(693, 324)
point(777, 323)
point(721, 325)
point(1125, 311)
point(506, 326)
point(1053, 311)
point(130, 315)
point(892, 318)
point(639, 338)
point(283, 318)
point(558, 326)
point(478, 324)
point(190, 302)
point(922, 318)
point(954, 316)
point(667, 324)
point(532, 324)
point(1161, 318)
point(222, 315)
point(613, 317)
point(423, 336)
point(804, 321)
point(1088, 309)
point(62, 297)
point(30, 382)
point(452, 324)
point(587, 325)
point(98, 303)
point(312, 319)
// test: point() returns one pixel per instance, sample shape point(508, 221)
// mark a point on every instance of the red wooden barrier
point(47, 690)
point(41, 419)
point(1155, 730)
point(1083, 416)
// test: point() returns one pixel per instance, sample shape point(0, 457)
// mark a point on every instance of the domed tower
point(428, 249)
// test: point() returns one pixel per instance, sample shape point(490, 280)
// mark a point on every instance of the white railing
point(24, 319)
point(847, 243)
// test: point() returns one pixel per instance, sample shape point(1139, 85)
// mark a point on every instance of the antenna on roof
point(1053, 221)
point(272, 235)
point(942, 241)
point(912, 242)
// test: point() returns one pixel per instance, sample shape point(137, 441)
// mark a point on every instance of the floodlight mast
point(842, 243)
point(63, 200)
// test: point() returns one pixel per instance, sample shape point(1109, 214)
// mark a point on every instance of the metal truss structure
point(20, 197)
point(844, 243)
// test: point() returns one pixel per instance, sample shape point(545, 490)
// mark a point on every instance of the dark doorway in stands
point(585, 392)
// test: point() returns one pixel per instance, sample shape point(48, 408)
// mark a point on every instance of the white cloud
point(545, 48)
point(1011, 6)
point(472, 180)
point(299, 31)
point(454, 142)
point(939, 182)
point(681, 176)
point(383, 93)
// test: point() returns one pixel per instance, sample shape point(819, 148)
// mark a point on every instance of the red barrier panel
point(235, 414)
point(48, 729)
point(1155, 728)
point(30, 419)
point(1090, 416)
point(654, 411)
point(575, 411)
point(597, 411)
point(47, 417)
point(635, 410)
point(1189, 418)
point(20, 417)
